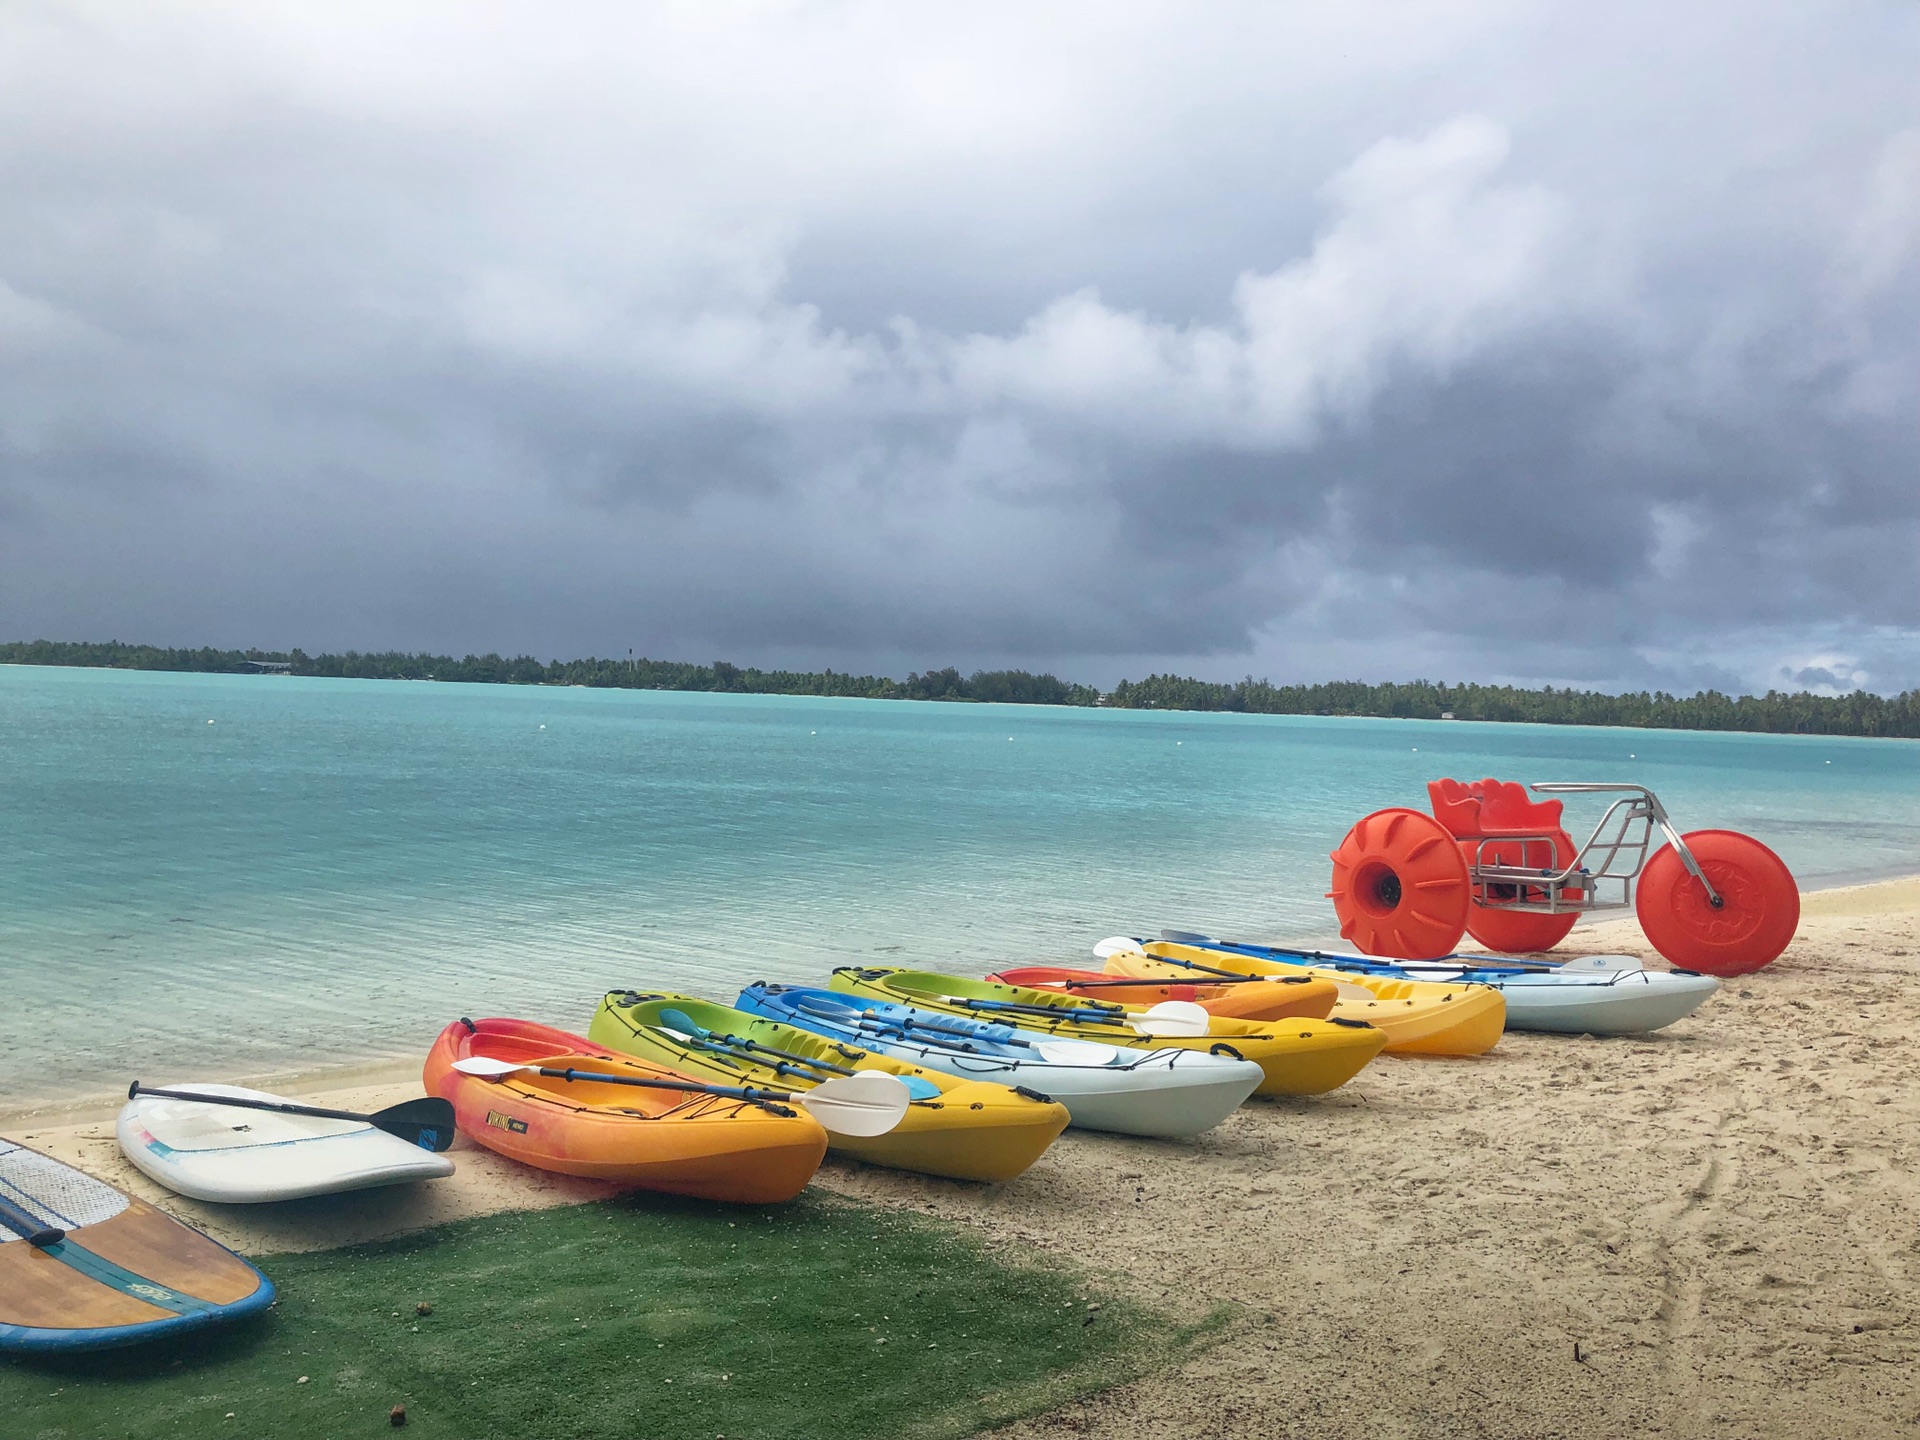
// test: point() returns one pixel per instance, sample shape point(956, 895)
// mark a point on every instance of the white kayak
point(1166, 1093)
point(1600, 995)
point(1587, 995)
point(240, 1156)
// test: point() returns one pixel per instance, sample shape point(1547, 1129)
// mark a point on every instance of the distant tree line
point(1007, 686)
point(1775, 712)
point(1802, 713)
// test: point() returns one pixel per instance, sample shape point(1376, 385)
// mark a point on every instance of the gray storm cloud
point(1498, 344)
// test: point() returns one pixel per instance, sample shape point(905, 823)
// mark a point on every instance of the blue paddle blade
point(920, 1088)
point(683, 1022)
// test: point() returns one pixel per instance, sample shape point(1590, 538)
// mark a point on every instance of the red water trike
point(1493, 863)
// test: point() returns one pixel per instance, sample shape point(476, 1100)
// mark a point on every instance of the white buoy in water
point(209, 722)
point(543, 727)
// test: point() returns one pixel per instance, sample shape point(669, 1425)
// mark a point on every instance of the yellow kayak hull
point(1296, 1056)
point(1419, 1017)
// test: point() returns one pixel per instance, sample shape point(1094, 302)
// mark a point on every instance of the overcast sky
point(1493, 341)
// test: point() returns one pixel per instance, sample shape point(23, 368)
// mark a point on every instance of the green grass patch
point(635, 1318)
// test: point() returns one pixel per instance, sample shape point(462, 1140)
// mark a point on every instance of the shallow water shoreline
point(362, 862)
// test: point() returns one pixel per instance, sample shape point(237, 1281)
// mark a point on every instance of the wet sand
point(1714, 1230)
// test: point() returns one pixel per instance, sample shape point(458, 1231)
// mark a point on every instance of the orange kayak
point(684, 1144)
point(1309, 997)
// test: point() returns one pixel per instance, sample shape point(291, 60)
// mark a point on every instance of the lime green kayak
point(958, 1128)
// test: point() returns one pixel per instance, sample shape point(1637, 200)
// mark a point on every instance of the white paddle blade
point(1115, 945)
point(1173, 1018)
point(1075, 1052)
point(867, 1102)
point(486, 1067)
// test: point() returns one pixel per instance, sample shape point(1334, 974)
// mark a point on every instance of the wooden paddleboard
point(237, 1157)
point(122, 1273)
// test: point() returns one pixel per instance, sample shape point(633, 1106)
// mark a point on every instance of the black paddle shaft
point(427, 1119)
point(1223, 977)
point(738, 1046)
point(792, 1057)
point(1196, 965)
point(1162, 984)
point(244, 1102)
point(756, 1094)
point(733, 1047)
point(28, 1226)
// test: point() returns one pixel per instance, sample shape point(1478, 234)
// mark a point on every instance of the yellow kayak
point(961, 1129)
point(1297, 1056)
point(1418, 1017)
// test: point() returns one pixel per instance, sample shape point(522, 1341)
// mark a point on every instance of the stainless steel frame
point(1620, 843)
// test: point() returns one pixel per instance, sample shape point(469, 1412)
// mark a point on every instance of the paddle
point(1207, 942)
point(918, 1086)
point(804, 1070)
point(28, 1226)
point(1054, 1052)
point(948, 1037)
point(1170, 1018)
point(1485, 963)
point(1119, 944)
point(1124, 944)
point(1169, 960)
point(1346, 990)
point(427, 1122)
point(1144, 982)
point(867, 1102)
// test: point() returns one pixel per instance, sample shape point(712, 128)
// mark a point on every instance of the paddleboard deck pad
point(237, 1157)
point(122, 1273)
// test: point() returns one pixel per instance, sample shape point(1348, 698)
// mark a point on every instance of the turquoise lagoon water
point(332, 869)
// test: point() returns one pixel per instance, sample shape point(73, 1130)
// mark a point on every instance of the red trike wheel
point(1518, 932)
point(1400, 886)
point(1755, 922)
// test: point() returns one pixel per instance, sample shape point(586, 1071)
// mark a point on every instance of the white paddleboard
point(239, 1157)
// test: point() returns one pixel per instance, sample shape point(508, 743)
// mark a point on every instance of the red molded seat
point(1477, 815)
point(1456, 807)
point(1505, 809)
point(1491, 807)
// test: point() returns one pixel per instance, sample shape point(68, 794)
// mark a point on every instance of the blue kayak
point(1135, 1091)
